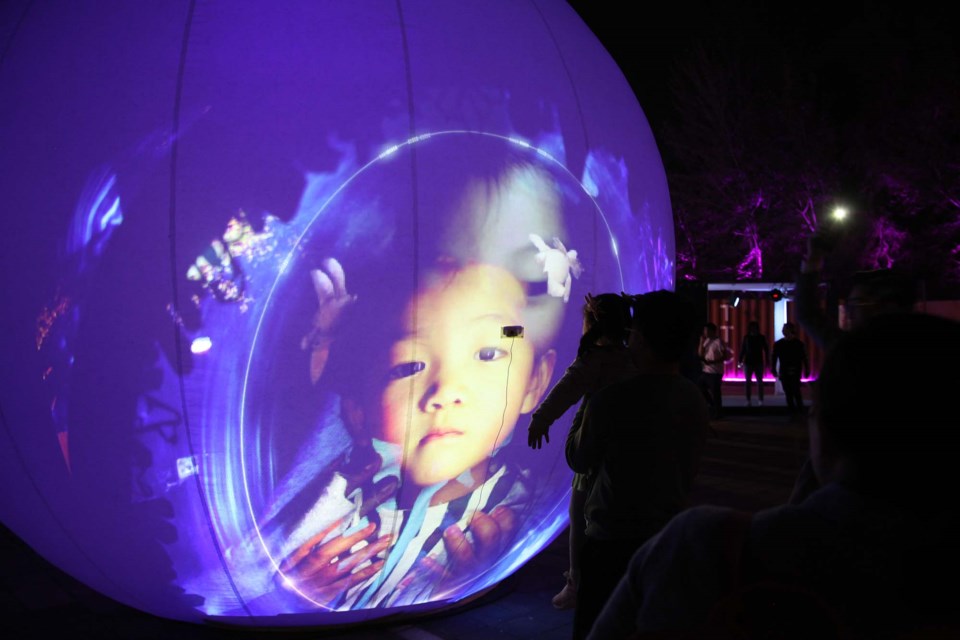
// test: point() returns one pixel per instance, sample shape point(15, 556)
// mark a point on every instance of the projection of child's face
point(447, 378)
point(493, 224)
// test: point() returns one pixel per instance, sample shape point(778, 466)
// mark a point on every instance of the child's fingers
point(307, 547)
point(506, 519)
point(486, 536)
point(327, 560)
point(322, 284)
point(323, 568)
point(309, 559)
point(431, 567)
point(359, 576)
point(491, 532)
point(365, 554)
point(337, 276)
point(458, 547)
point(325, 592)
point(338, 546)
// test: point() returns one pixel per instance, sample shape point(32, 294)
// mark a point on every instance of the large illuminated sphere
point(256, 262)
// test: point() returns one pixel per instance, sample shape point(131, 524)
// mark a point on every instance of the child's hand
point(536, 434)
point(330, 284)
point(491, 533)
point(465, 558)
point(324, 571)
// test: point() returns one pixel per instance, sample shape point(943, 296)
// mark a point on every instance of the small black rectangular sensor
point(511, 331)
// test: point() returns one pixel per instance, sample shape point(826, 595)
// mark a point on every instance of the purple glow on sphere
point(257, 264)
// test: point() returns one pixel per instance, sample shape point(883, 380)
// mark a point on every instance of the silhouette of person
point(788, 362)
point(872, 293)
point(754, 355)
point(713, 353)
point(602, 358)
point(866, 555)
point(641, 440)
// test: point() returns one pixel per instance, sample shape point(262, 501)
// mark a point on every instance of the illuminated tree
point(749, 164)
point(766, 139)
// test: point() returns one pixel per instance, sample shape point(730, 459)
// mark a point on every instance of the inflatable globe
point(283, 282)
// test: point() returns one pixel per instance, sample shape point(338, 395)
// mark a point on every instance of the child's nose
point(442, 393)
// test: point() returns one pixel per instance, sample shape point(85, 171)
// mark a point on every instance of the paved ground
point(751, 459)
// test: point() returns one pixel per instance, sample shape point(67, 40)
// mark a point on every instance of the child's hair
point(605, 316)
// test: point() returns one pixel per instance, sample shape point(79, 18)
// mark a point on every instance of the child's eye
point(405, 369)
point(490, 353)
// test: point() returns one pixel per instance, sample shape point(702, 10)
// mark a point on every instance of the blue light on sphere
point(256, 265)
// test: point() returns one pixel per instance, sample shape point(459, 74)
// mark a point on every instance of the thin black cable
point(506, 391)
point(172, 226)
point(412, 400)
point(503, 417)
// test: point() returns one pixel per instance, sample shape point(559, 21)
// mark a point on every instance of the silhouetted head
point(607, 316)
point(789, 330)
point(664, 323)
point(878, 292)
point(753, 328)
point(884, 418)
point(710, 330)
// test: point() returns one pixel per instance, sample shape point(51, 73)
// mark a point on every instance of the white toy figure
point(560, 265)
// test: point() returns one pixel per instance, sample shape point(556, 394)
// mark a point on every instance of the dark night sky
point(850, 46)
point(878, 78)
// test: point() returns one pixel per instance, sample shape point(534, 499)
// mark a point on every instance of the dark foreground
point(751, 459)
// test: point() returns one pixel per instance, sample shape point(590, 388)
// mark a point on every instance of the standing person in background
point(641, 439)
point(713, 353)
point(871, 553)
point(602, 359)
point(754, 354)
point(788, 363)
point(872, 293)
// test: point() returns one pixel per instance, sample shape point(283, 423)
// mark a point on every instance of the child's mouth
point(439, 434)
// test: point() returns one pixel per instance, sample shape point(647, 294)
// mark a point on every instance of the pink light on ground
point(766, 379)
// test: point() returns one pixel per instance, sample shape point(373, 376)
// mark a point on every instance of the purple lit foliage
point(878, 131)
point(744, 185)
point(912, 182)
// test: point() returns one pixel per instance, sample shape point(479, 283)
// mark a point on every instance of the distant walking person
point(713, 353)
point(788, 363)
point(754, 354)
